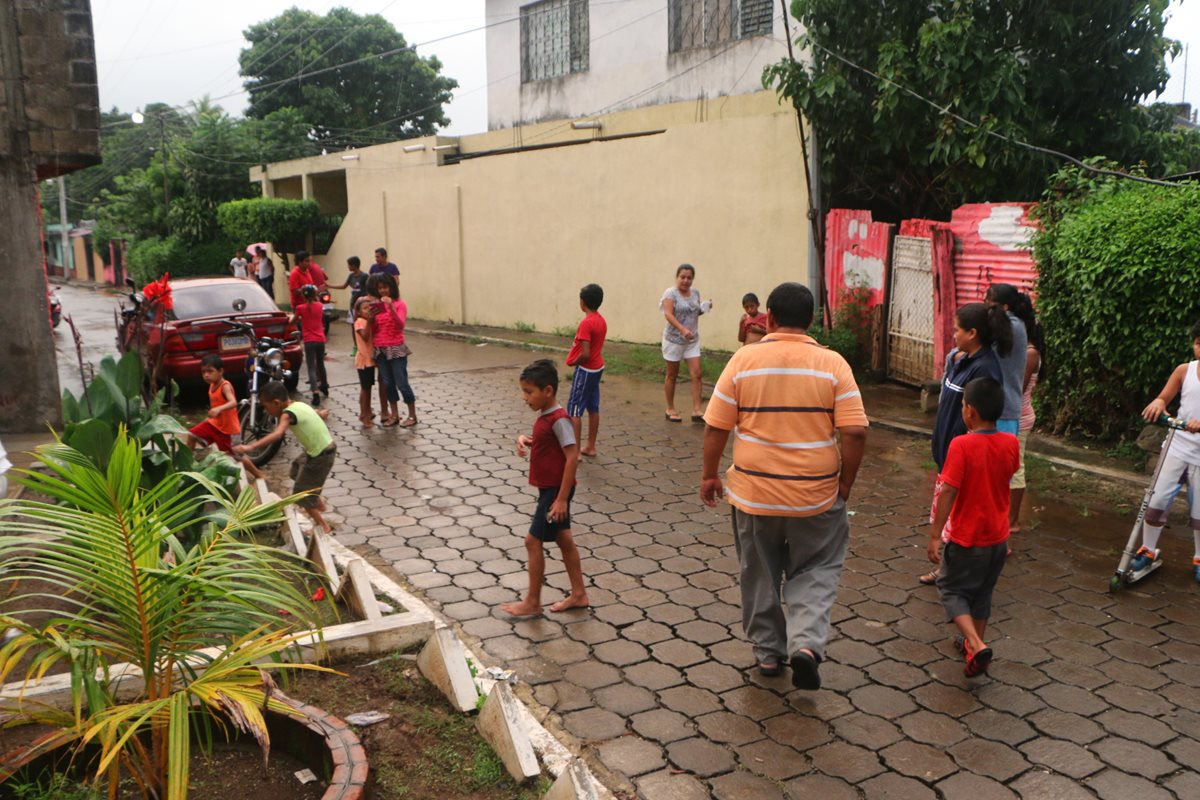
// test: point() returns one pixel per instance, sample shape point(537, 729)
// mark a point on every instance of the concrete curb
point(556, 758)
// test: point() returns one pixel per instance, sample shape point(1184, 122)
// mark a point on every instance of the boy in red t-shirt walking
point(973, 508)
point(587, 359)
point(310, 316)
point(553, 459)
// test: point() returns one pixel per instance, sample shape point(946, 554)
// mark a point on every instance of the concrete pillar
point(29, 390)
point(306, 190)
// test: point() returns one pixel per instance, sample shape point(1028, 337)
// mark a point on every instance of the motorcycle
point(55, 309)
point(127, 318)
point(329, 311)
point(264, 363)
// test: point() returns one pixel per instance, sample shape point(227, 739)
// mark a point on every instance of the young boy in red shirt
point(310, 316)
point(553, 459)
point(222, 426)
point(753, 325)
point(973, 508)
point(587, 359)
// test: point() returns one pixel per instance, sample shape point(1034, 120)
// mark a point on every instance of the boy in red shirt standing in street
point(586, 358)
point(973, 508)
point(553, 459)
point(310, 316)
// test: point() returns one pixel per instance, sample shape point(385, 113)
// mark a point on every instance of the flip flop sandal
point(390, 422)
point(770, 667)
point(408, 423)
point(928, 579)
point(804, 672)
point(672, 418)
point(697, 418)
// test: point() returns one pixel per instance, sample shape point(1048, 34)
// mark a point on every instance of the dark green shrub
point(151, 258)
point(850, 335)
point(1118, 270)
point(283, 223)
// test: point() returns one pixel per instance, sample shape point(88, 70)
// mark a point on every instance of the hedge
point(283, 223)
point(150, 258)
point(1117, 295)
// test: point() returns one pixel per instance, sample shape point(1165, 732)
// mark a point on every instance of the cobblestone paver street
point(1091, 695)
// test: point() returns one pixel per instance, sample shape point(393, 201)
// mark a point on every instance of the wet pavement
point(1091, 694)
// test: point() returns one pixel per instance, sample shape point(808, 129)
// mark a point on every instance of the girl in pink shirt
point(391, 353)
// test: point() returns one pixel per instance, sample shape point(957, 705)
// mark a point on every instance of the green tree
point(206, 156)
point(398, 95)
point(1067, 75)
point(1117, 263)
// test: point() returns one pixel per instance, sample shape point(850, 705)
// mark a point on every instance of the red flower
point(319, 594)
point(159, 292)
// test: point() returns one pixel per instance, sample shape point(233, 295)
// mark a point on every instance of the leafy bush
point(153, 257)
point(850, 334)
point(1118, 264)
point(112, 406)
point(283, 223)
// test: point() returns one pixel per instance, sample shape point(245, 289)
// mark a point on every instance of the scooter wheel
point(1115, 584)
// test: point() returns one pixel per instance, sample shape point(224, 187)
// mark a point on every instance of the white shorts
point(680, 352)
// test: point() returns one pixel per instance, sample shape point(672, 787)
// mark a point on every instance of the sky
point(174, 51)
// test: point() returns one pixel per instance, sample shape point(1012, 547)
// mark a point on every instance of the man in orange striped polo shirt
point(787, 399)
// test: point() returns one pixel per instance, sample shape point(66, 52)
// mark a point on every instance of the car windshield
point(218, 299)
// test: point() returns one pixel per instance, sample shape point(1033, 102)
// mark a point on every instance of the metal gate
point(910, 319)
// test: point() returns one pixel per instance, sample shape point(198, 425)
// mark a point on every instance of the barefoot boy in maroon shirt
point(553, 457)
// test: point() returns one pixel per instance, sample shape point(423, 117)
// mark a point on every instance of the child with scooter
point(1179, 463)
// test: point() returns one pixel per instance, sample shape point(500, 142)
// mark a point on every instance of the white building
point(566, 59)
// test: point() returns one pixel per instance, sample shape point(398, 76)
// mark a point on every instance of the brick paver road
point(1091, 695)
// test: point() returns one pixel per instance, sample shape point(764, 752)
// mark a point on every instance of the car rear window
point(218, 299)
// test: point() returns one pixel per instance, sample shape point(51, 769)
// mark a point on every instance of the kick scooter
point(1124, 576)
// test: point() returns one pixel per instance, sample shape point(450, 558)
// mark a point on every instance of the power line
point(1002, 137)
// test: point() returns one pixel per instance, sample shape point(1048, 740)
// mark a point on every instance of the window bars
point(554, 39)
point(699, 23)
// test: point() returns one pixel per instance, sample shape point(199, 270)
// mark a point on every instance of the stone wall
point(58, 73)
point(49, 125)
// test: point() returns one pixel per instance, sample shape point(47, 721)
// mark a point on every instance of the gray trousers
point(804, 556)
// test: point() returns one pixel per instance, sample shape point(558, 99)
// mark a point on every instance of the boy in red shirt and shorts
point(973, 507)
point(586, 356)
point(222, 427)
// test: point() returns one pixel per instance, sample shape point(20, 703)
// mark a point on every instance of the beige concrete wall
point(510, 238)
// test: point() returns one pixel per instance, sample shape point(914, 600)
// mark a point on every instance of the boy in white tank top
point(1181, 463)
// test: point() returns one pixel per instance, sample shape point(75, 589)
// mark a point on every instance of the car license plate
point(235, 342)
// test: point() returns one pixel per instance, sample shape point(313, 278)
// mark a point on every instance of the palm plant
point(199, 626)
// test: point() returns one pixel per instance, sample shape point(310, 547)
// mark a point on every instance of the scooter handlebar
point(1174, 423)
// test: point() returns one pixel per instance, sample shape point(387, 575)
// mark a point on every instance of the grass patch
point(566, 331)
point(645, 361)
point(525, 327)
point(1084, 491)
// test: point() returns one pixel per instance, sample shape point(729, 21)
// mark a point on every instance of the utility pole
point(162, 138)
point(64, 227)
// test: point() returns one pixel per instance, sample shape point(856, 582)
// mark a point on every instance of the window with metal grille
point(554, 39)
point(698, 23)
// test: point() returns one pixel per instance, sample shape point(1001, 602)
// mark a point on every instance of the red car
point(196, 325)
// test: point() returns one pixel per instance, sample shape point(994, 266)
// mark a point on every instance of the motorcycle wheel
point(251, 434)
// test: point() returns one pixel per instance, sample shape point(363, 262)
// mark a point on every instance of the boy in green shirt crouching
point(312, 467)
